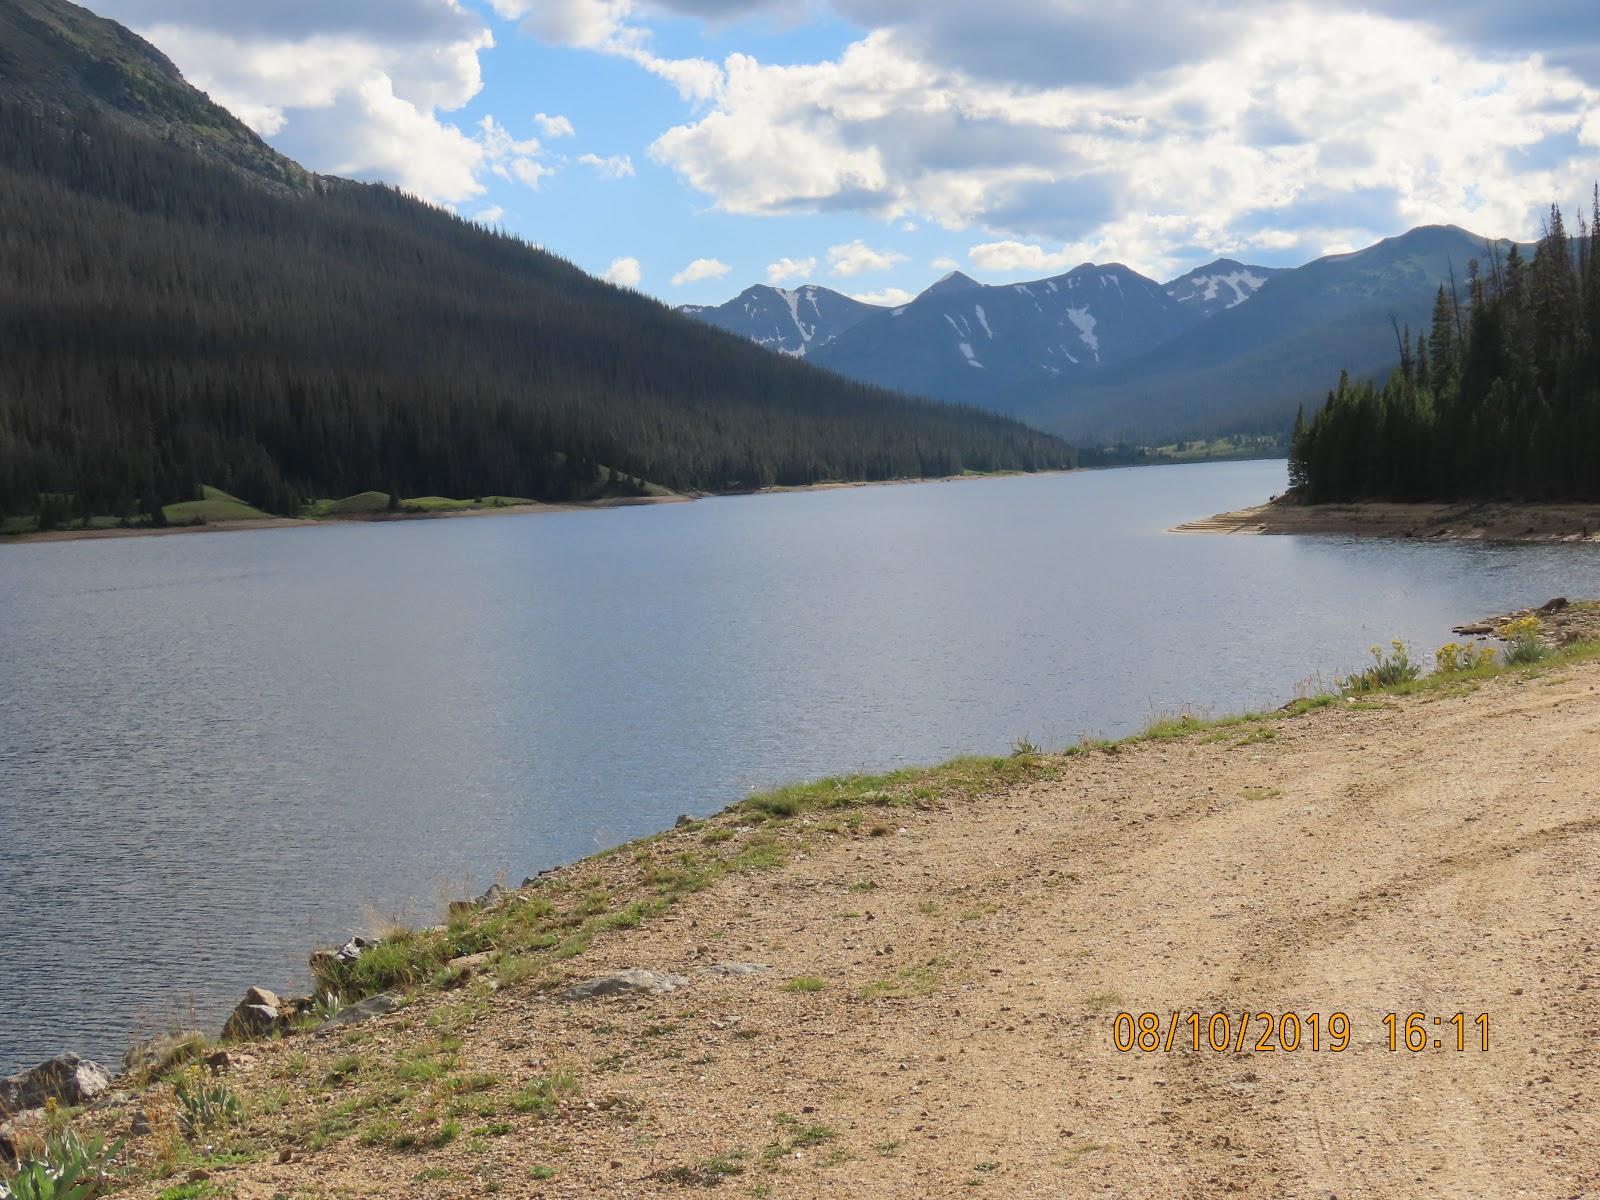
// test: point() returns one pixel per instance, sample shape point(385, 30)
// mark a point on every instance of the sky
point(690, 148)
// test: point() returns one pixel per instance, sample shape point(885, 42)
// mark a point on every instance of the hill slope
point(179, 307)
point(1246, 368)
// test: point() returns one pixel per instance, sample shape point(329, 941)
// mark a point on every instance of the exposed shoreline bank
point(890, 922)
point(1484, 521)
point(505, 510)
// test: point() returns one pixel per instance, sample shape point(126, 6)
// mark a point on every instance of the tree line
point(167, 322)
point(1500, 399)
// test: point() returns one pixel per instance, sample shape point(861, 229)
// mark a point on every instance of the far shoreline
point(1487, 521)
point(489, 510)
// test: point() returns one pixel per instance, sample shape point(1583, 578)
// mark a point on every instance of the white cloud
point(603, 25)
point(700, 269)
point(1277, 116)
point(945, 264)
point(617, 166)
point(786, 269)
point(512, 159)
point(553, 127)
point(624, 272)
point(1016, 256)
point(892, 297)
point(490, 216)
point(855, 257)
point(357, 91)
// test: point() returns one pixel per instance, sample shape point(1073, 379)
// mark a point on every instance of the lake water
point(218, 750)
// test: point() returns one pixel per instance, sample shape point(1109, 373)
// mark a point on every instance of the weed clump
point(1389, 669)
point(1522, 641)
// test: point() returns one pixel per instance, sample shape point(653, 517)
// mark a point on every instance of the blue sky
point(692, 147)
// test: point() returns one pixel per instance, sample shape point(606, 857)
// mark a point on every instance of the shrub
point(1522, 641)
point(1388, 669)
point(205, 1106)
point(1455, 657)
point(64, 1167)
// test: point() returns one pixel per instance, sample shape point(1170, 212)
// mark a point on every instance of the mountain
point(180, 306)
point(1245, 369)
point(983, 344)
point(970, 342)
point(793, 322)
point(953, 282)
point(1103, 354)
point(62, 59)
point(1220, 285)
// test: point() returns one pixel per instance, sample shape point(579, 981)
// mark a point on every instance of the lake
point(219, 750)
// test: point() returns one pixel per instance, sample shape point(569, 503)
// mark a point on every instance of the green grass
point(805, 983)
point(215, 505)
point(361, 502)
point(540, 1095)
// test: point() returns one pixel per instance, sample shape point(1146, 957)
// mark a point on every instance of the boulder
point(373, 1006)
point(66, 1079)
point(464, 968)
point(1550, 607)
point(635, 981)
point(160, 1055)
point(259, 1014)
point(495, 894)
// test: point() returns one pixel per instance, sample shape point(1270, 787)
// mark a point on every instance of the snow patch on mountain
point(1243, 283)
point(1084, 322)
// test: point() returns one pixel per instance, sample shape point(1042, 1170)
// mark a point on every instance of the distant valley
point(1103, 353)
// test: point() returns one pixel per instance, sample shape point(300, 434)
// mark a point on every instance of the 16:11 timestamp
point(1418, 1031)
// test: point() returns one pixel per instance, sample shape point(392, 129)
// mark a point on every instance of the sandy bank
point(1485, 521)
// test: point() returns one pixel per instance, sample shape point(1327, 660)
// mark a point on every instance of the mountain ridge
point(1224, 348)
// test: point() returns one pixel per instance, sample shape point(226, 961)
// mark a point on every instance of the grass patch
point(214, 505)
point(908, 983)
point(804, 984)
point(543, 1093)
point(707, 1173)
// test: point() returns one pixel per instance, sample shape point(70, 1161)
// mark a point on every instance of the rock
point(494, 895)
point(464, 968)
point(218, 1060)
point(160, 1055)
point(1552, 606)
point(259, 1014)
point(733, 969)
point(251, 1021)
point(683, 820)
point(66, 1079)
point(635, 981)
point(373, 1006)
point(1481, 629)
point(139, 1126)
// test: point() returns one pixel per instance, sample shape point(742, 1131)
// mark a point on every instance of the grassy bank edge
point(764, 830)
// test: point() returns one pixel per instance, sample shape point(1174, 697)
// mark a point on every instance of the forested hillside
point(1499, 399)
point(172, 317)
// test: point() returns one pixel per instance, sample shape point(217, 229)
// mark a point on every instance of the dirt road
point(1435, 854)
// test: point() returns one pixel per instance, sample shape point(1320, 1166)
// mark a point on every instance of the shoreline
point(507, 510)
point(1490, 521)
point(722, 941)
